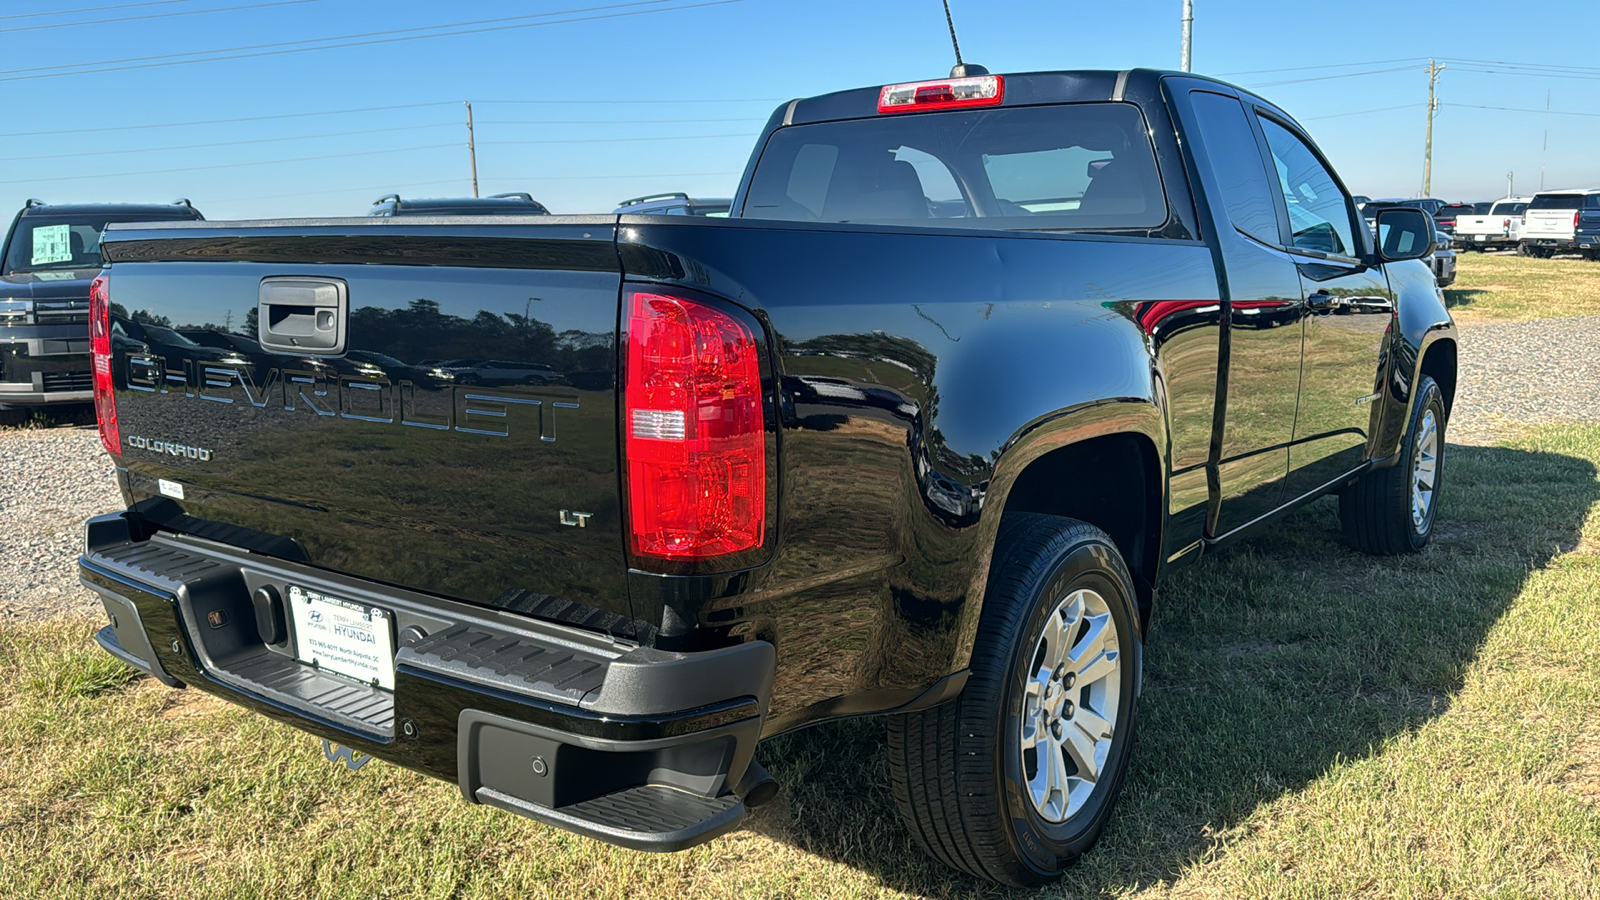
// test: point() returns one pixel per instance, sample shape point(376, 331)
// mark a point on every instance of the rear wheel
point(1391, 511)
point(1016, 777)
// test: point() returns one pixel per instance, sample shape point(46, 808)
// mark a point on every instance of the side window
point(1319, 213)
point(1236, 162)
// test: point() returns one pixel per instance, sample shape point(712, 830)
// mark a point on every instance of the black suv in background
point(679, 204)
point(514, 204)
point(51, 254)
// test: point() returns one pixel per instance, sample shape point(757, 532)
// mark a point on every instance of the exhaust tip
point(757, 787)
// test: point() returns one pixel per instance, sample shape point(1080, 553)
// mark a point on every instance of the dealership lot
point(1316, 721)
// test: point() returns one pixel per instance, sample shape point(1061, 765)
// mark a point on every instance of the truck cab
point(51, 254)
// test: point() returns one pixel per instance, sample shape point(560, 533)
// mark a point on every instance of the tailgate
point(1548, 223)
point(463, 440)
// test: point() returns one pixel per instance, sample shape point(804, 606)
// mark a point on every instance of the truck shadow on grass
point(1267, 664)
point(1461, 298)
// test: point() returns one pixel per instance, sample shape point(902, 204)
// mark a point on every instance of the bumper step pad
point(650, 817)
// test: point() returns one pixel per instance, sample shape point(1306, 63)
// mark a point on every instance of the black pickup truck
point(919, 432)
point(50, 255)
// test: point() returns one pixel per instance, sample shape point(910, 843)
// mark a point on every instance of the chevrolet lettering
point(920, 431)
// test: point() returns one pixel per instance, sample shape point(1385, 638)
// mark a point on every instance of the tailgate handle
point(302, 314)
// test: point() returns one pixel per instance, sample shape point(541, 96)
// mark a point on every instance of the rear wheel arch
point(1111, 481)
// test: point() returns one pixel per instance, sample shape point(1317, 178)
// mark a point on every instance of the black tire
point(959, 768)
point(1377, 511)
point(1523, 249)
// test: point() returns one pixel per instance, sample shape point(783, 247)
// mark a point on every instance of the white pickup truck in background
point(1550, 225)
point(1500, 227)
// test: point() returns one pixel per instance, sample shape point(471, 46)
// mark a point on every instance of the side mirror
point(1404, 233)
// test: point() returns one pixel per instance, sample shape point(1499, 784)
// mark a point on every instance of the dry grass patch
point(1315, 723)
point(1504, 286)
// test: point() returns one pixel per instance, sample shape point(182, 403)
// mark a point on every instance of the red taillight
point(694, 433)
point(1575, 217)
point(952, 93)
point(105, 397)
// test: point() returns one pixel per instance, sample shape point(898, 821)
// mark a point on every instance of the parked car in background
point(1448, 215)
point(1498, 226)
point(1443, 261)
point(50, 255)
point(675, 205)
point(512, 204)
point(1428, 205)
point(1588, 231)
point(1550, 224)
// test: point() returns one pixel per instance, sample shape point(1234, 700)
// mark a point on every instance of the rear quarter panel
point(919, 372)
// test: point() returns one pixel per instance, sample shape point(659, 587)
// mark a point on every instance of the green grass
point(1314, 723)
point(1504, 286)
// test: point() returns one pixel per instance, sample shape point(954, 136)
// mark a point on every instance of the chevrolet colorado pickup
point(919, 432)
point(50, 256)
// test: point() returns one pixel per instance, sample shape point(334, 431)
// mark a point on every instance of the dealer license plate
point(347, 638)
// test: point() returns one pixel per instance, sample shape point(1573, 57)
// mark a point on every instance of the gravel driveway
point(1520, 373)
point(55, 478)
point(1513, 373)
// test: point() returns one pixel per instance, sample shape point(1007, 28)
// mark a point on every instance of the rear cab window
point(1556, 201)
point(1069, 167)
point(1505, 208)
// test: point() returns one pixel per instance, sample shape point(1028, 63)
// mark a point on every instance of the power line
point(589, 177)
point(347, 190)
point(177, 59)
point(1366, 112)
point(68, 12)
point(624, 121)
point(1332, 77)
point(673, 100)
point(329, 112)
point(187, 12)
point(616, 140)
point(273, 140)
point(342, 37)
point(1375, 62)
point(1553, 112)
point(237, 165)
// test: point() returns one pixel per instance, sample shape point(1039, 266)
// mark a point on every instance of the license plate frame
point(336, 635)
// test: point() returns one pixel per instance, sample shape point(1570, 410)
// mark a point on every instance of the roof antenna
point(961, 69)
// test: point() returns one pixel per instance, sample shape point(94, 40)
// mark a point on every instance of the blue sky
point(555, 103)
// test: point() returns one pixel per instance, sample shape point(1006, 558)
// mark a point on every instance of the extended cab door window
point(1319, 212)
point(1236, 162)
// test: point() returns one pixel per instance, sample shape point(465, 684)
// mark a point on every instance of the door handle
point(299, 314)
point(1322, 300)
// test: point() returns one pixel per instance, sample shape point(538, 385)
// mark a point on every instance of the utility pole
point(1511, 184)
point(1546, 148)
point(1434, 69)
point(472, 149)
point(1188, 35)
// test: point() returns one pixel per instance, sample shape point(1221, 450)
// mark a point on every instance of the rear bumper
point(1551, 243)
point(630, 745)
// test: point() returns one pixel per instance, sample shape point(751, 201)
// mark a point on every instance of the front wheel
point(1016, 777)
point(1391, 511)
